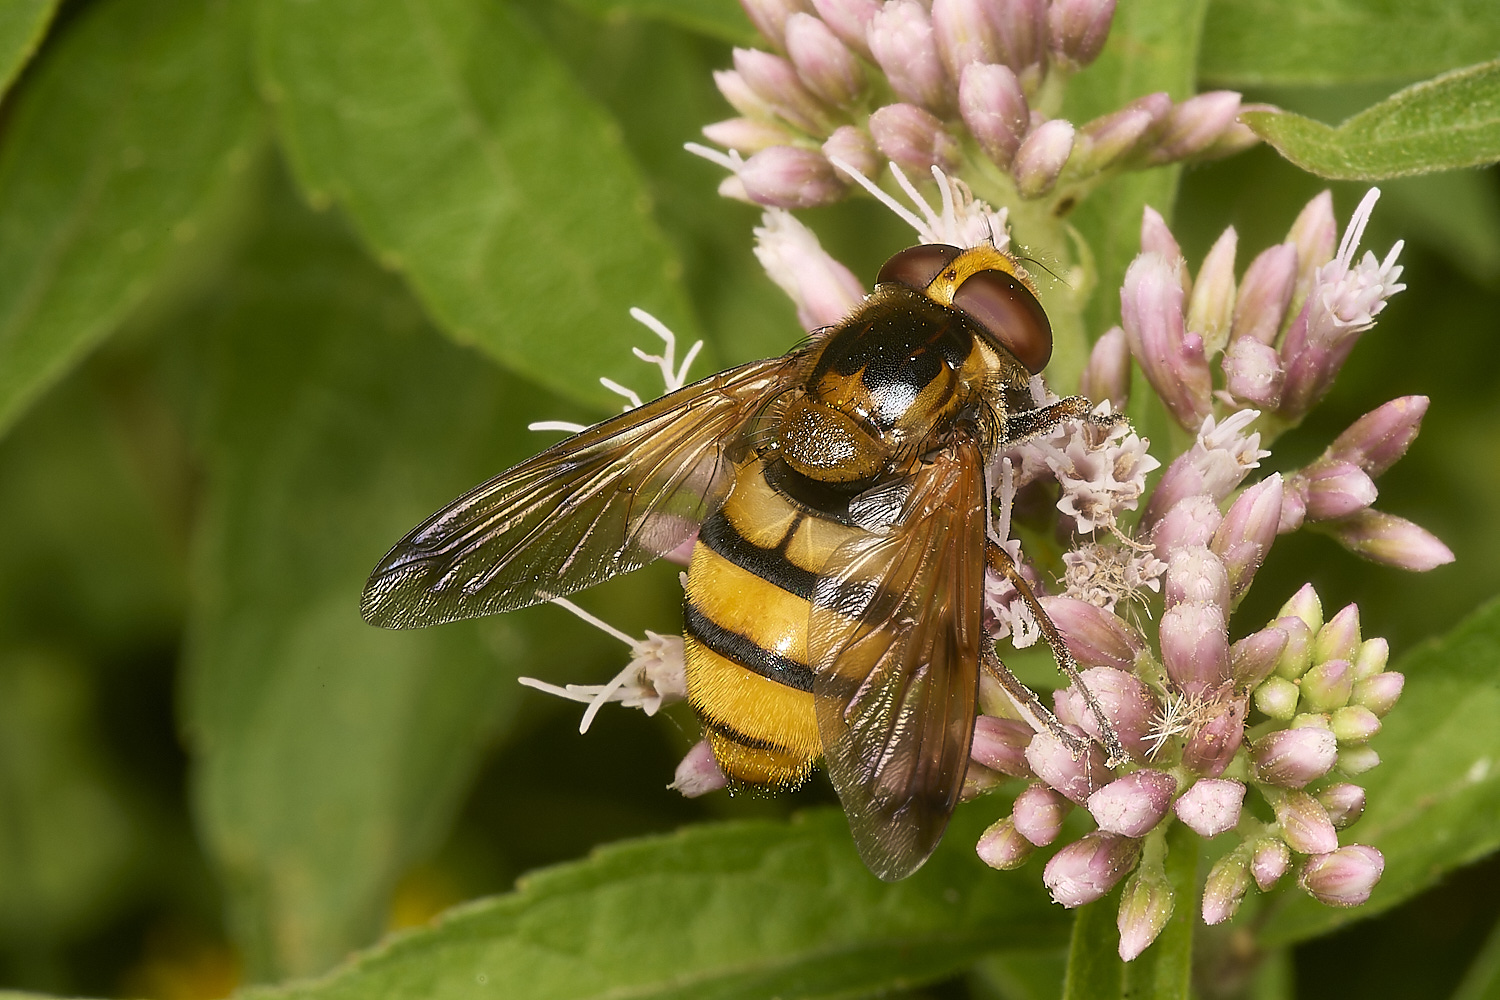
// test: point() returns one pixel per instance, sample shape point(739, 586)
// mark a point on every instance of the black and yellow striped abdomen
point(745, 620)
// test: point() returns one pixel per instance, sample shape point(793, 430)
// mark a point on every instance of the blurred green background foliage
point(280, 277)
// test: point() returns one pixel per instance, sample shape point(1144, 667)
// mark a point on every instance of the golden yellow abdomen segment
point(746, 647)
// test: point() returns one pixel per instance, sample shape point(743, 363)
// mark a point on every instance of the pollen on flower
point(1102, 470)
point(655, 676)
point(1106, 574)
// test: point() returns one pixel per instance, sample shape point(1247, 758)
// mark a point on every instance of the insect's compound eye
point(1006, 308)
point(915, 267)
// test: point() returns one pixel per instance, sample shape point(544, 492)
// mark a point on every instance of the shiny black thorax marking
point(898, 344)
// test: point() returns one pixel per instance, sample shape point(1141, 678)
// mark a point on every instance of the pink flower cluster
point(1259, 739)
point(851, 84)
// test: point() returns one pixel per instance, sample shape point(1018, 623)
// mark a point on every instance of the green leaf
point(329, 755)
point(721, 19)
point(23, 24)
point(1153, 46)
point(472, 163)
point(1164, 971)
point(68, 836)
point(1446, 123)
point(742, 910)
point(1095, 971)
point(1434, 798)
point(120, 156)
point(1482, 979)
point(1315, 42)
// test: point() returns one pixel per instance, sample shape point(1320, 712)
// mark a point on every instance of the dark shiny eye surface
point(915, 267)
point(1011, 314)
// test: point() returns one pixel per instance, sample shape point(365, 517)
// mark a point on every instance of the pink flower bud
point(823, 290)
point(775, 81)
point(1211, 806)
point(854, 147)
point(1253, 658)
point(1157, 238)
point(1041, 157)
point(823, 62)
point(1377, 440)
point(1077, 30)
point(1314, 234)
point(1345, 804)
point(1327, 685)
point(1305, 825)
point(1297, 656)
point(770, 17)
point(1195, 647)
point(1212, 745)
point(1127, 704)
point(1132, 805)
point(1371, 658)
point(913, 138)
point(1053, 762)
point(1344, 877)
point(978, 780)
point(1195, 575)
point(1151, 302)
point(1000, 744)
point(1337, 489)
point(1193, 520)
point(1039, 813)
point(994, 109)
point(903, 44)
point(1023, 34)
point(1109, 139)
point(1228, 881)
point(1269, 861)
point(790, 177)
point(1355, 761)
point(1086, 869)
point(1290, 758)
point(1002, 847)
point(850, 21)
point(1394, 541)
point(699, 773)
point(1265, 293)
point(1339, 638)
point(1354, 724)
point(1196, 124)
point(1379, 693)
point(740, 97)
point(1293, 505)
point(1253, 372)
point(1095, 637)
point(1107, 375)
point(1145, 906)
point(747, 135)
point(1277, 698)
point(966, 32)
point(1210, 307)
point(1305, 604)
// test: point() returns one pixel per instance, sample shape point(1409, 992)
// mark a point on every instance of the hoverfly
point(834, 596)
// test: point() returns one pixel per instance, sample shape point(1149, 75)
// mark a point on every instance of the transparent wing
point(605, 501)
point(894, 640)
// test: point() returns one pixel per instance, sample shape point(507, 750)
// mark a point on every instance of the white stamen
point(616, 387)
point(731, 161)
point(879, 195)
point(598, 623)
point(555, 425)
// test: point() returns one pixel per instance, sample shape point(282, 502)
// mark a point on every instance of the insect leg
point(1000, 561)
point(1034, 713)
point(1026, 424)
